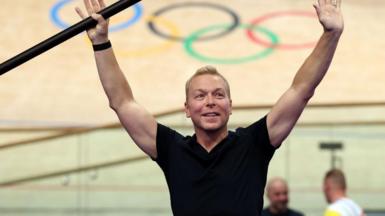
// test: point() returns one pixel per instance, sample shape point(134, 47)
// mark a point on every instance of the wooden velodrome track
point(61, 86)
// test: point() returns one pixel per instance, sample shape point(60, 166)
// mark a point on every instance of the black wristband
point(102, 46)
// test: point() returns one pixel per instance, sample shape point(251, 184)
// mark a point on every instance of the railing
point(299, 160)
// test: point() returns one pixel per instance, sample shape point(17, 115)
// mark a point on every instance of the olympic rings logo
point(55, 17)
point(156, 22)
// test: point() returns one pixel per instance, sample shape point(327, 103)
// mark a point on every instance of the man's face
point(208, 104)
point(278, 195)
point(327, 188)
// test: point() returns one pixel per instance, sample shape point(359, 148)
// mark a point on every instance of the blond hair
point(210, 70)
point(337, 177)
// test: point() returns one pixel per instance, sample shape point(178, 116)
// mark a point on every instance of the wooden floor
point(61, 86)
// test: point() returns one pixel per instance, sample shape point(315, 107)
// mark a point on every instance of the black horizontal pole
point(63, 36)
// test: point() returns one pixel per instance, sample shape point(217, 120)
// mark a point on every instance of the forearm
point(316, 65)
point(112, 78)
point(285, 113)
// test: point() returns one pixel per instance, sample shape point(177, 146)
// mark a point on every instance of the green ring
point(196, 35)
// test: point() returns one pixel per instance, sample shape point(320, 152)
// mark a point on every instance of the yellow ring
point(146, 51)
point(153, 49)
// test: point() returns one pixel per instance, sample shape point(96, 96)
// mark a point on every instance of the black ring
point(233, 15)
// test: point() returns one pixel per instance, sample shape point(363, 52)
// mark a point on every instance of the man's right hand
point(98, 34)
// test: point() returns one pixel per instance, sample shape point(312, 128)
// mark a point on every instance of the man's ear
point(186, 110)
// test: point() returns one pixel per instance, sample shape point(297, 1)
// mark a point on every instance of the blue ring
point(54, 15)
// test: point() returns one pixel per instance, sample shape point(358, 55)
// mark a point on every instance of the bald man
point(334, 188)
point(277, 192)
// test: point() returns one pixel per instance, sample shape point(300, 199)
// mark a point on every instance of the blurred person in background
point(334, 188)
point(277, 192)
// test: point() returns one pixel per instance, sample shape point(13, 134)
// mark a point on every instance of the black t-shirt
point(229, 180)
point(290, 212)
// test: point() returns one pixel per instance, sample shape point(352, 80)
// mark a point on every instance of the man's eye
point(219, 95)
point(199, 96)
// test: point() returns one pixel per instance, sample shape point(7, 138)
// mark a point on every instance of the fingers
point(88, 7)
point(99, 33)
point(99, 18)
point(321, 3)
point(80, 12)
point(94, 6)
point(339, 3)
point(102, 4)
point(316, 6)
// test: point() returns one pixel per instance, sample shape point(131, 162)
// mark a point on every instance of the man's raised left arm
point(285, 113)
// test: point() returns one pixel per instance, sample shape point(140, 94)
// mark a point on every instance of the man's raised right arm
point(137, 121)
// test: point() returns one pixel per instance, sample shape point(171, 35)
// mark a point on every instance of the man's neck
point(338, 195)
point(277, 211)
point(209, 139)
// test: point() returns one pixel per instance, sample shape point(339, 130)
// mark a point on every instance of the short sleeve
point(165, 137)
point(260, 134)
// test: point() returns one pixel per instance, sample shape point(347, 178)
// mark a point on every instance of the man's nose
point(210, 101)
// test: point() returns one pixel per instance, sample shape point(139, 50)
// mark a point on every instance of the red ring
point(257, 21)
